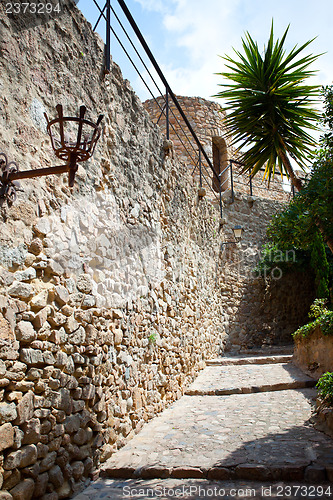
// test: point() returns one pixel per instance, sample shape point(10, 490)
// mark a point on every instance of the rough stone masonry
point(112, 294)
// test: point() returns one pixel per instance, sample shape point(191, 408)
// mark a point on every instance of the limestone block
point(61, 295)
point(84, 283)
point(26, 275)
point(32, 431)
point(78, 336)
point(5, 495)
point(48, 461)
point(54, 268)
point(42, 226)
point(6, 436)
point(55, 476)
point(31, 356)
point(89, 301)
point(64, 491)
point(41, 318)
point(77, 469)
point(61, 400)
point(25, 408)
point(36, 246)
point(24, 490)
point(21, 458)
point(39, 301)
point(21, 290)
point(41, 485)
point(12, 478)
point(6, 333)
point(8, 412)
point(72, 423)
point(25, 332)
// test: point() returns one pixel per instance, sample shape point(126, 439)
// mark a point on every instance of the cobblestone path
point(242, 430)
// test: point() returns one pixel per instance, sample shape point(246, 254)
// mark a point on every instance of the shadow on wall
point(220, 163)
point(275, 308)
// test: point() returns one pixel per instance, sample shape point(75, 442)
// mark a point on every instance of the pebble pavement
point(261, 433)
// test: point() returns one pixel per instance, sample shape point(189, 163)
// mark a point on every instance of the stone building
point(115, 292)
point(207, 120)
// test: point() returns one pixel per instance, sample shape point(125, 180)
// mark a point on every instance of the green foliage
point(272, 256)
point(310, 215)
point(319, 264)
point(323, 319)
point(152, 338)
point(325, 387)
point(269, 106)
point(318, 308)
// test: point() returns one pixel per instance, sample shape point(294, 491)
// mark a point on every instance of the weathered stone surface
point(6, 436)
point(8, 412)
point(32, 356)
point(36, 246)
point(48, 461)
point(315, 474)
point(25, 332)
point(32, 431)
point(39, 301)
point(14, 477)
point(55, 476)
point(61, 295)
point(84, 283)
point(72, 423)
point(21, 290)
point(25, 408)
point(5, 495)
point(6, 332)
point(23, 457)
point(24, 490)
point(26, 275)
point(41, 485)
point(77, 470)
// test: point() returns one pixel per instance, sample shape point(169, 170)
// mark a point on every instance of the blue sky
point(187, 36)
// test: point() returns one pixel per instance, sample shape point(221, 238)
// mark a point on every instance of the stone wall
point(114, 293)
point(314, 353)
point(103, 317)
point(207, 120)
point(258, 310)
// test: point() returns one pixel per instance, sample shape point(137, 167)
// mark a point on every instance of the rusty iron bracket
point(73, 151)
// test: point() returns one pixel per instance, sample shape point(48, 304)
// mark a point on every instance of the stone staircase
point(245, 418)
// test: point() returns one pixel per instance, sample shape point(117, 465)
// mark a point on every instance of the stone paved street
point(263, 434)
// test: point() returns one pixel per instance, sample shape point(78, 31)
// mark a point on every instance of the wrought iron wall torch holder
point(68, 148)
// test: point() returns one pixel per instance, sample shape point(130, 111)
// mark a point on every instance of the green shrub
point(323, 318)
point(325, 387)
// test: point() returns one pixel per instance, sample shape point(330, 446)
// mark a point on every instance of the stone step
point(298, 384)
point(250, 360)
point(315, 474)
point(249, 378)
point(264, 351)
point(264, 436)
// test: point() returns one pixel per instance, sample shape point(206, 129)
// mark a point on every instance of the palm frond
point(269, 106)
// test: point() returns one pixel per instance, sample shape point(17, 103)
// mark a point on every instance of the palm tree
point(269, 108)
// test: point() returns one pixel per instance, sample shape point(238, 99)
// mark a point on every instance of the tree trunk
point(286, 162)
